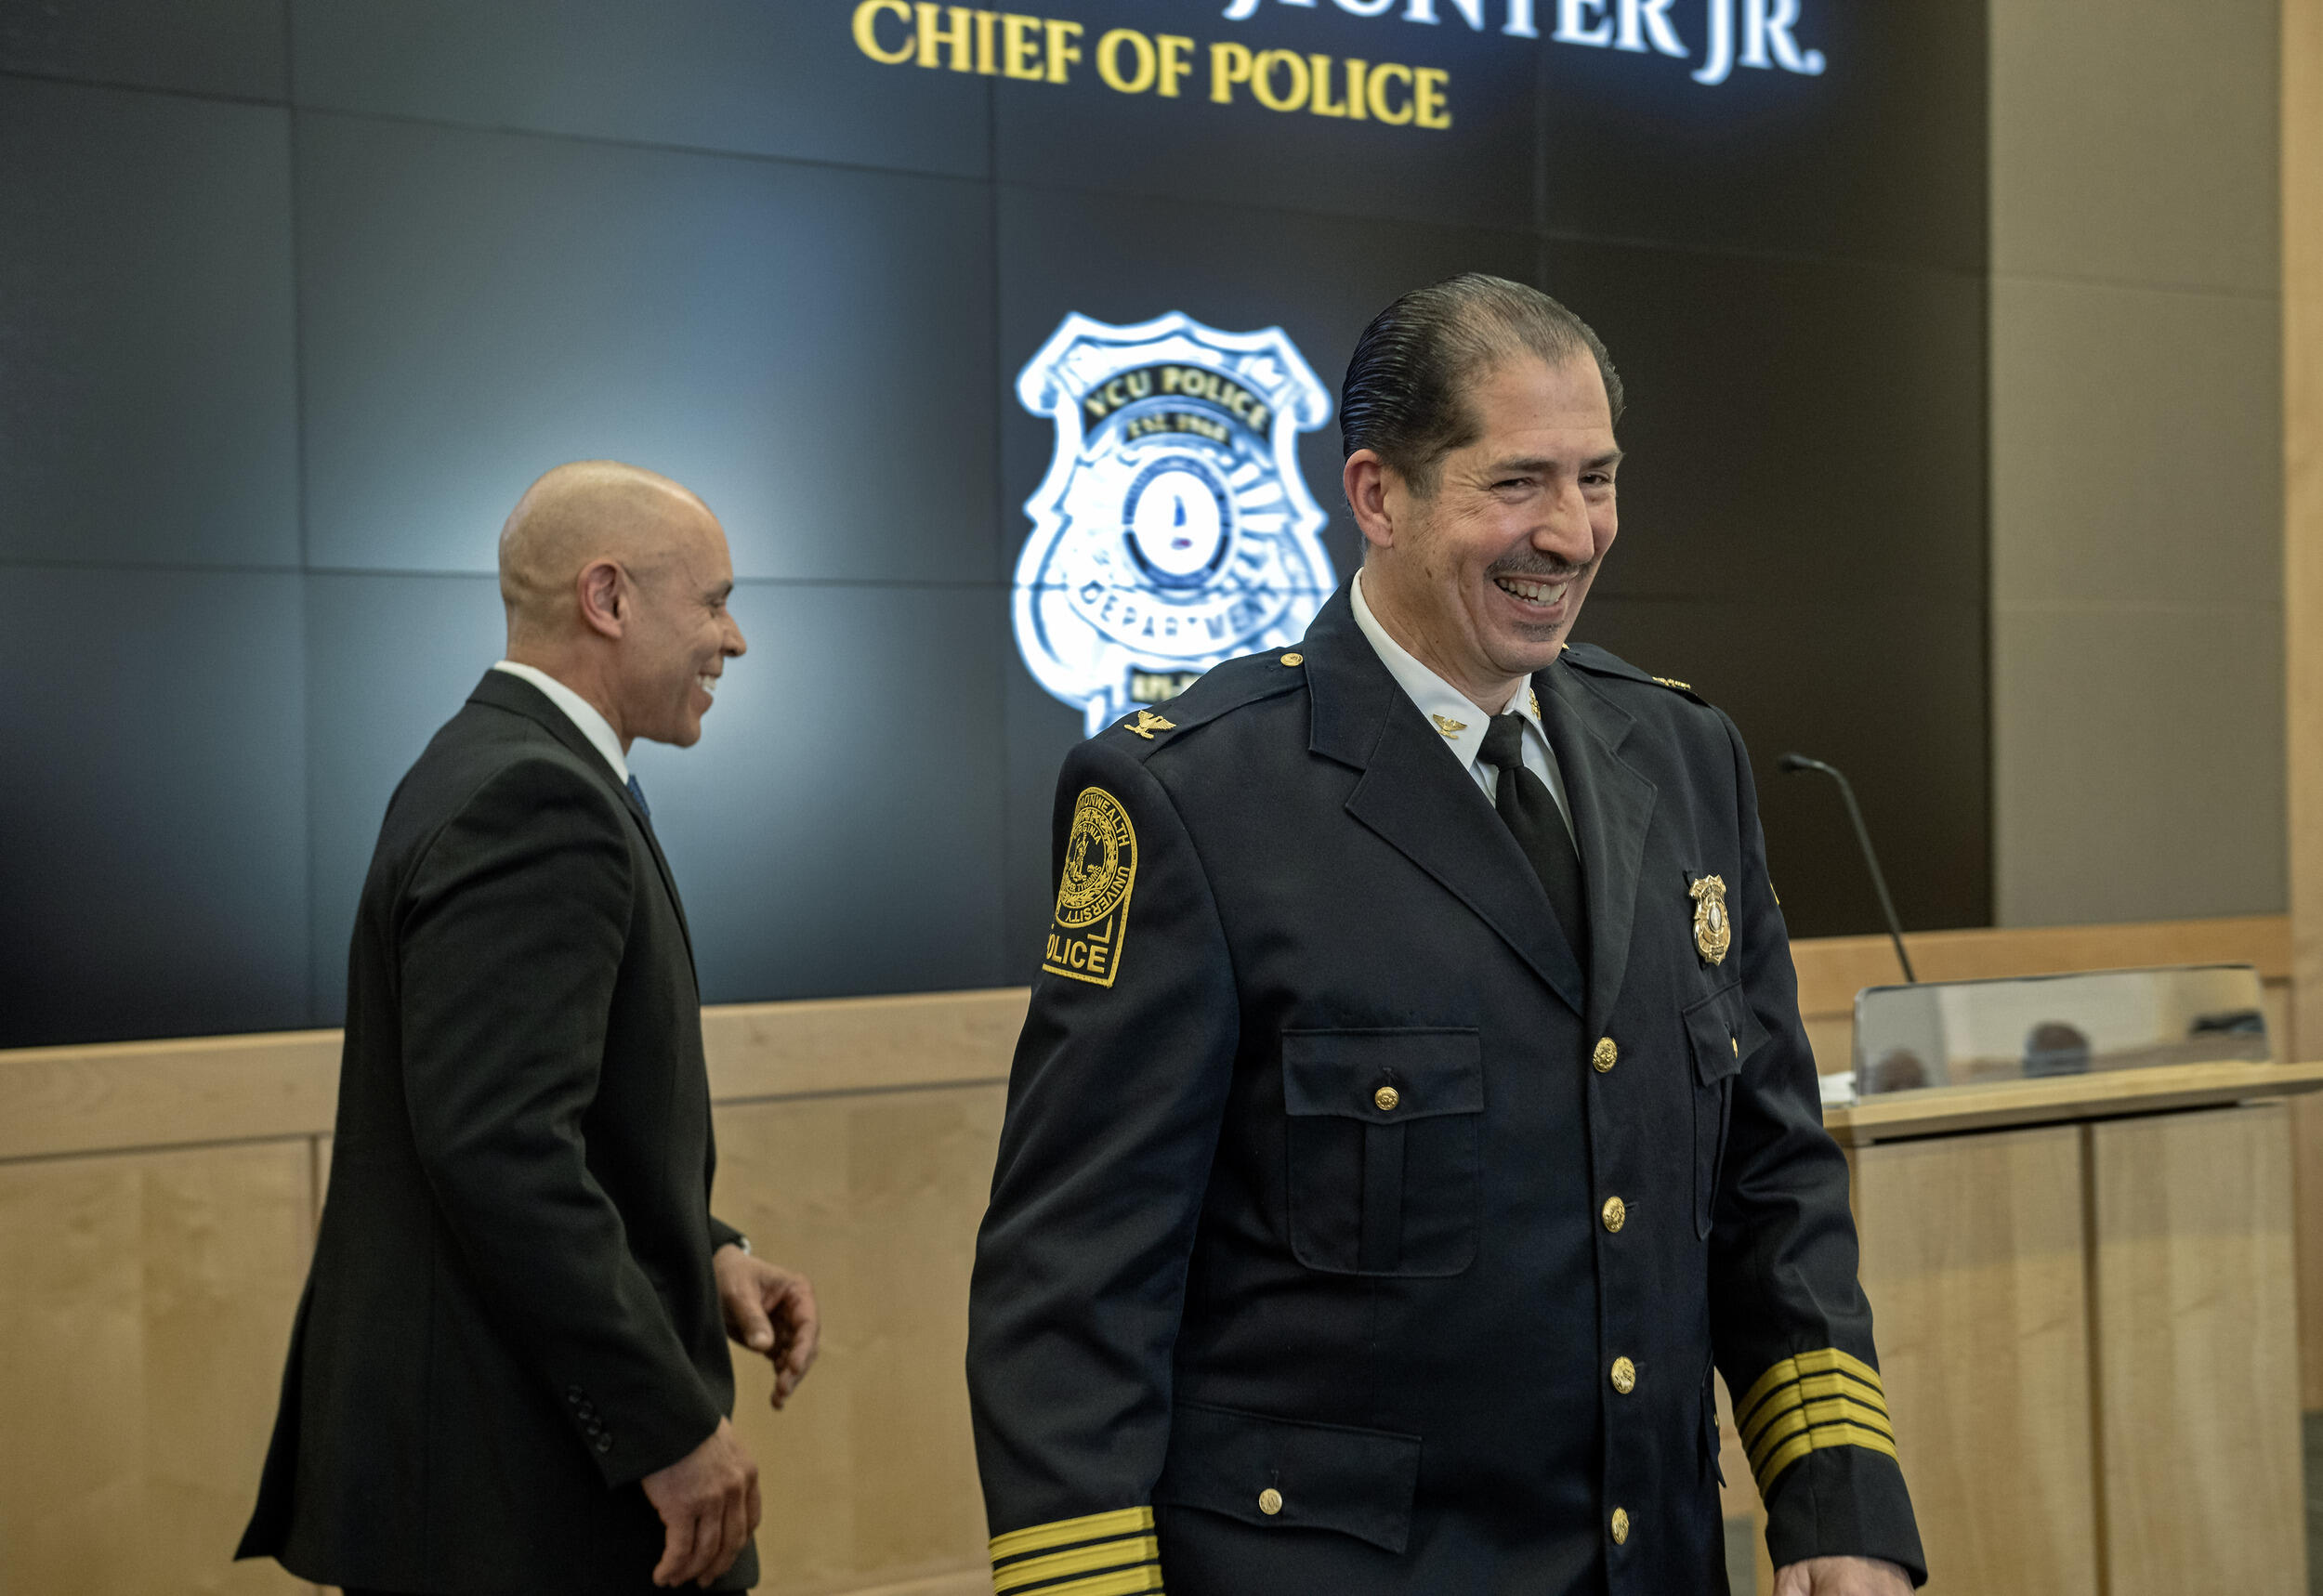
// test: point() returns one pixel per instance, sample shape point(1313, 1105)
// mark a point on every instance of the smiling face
point(679, 634)
point(1482, 575)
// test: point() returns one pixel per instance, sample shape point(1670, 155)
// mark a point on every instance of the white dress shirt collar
point(578, 710)
point(1450, 710)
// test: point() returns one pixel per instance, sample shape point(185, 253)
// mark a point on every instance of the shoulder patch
point(1092, 919)
point(1225, 687)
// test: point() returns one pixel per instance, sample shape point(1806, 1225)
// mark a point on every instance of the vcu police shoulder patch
point(1092, 920)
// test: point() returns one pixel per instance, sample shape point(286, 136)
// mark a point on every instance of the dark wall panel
point(200, 46)
point(1889, 689)
point(148, 385)
point(388, 659)
point(1797, 431)
point(742, 75)
point(806, 349)
point(837, 829)
point(153, 837)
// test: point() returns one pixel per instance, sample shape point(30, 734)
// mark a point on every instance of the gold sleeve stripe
point(1104, 1555)
point(1118, 1584)
point(1829, 1360)
point(1821, 1436)
point(1811, 1415)
point(1789, 1397)
point(1070, 1531)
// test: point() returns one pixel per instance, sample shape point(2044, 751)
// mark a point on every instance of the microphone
point(1795, 763)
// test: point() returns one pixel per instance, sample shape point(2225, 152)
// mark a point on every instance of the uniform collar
point(1455, 717)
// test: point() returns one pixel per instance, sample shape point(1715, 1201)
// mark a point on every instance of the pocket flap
point(1724, 1031)
point(1340, 1072)
point(1323, 1476)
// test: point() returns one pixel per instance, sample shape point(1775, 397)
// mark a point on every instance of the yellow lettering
point(986, 22)
point(1061, 53)
point(1096, 960)
point(1229, 64)
point(1320, 103)
point(956, 35)
point(1258, 417)
point(1357, 110)
point(1429, 96)
point(1021, 51)
point(1110, 62)
point(1375, 95)
point(1077, 955)
point(1262, 79)
point(867, 17)
point(1174, 49)
point(1051, 956)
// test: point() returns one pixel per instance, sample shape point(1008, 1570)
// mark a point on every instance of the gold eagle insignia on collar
point(1147, 723)
point(1448, 726)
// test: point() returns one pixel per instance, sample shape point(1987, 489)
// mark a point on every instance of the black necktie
point(1528, 807)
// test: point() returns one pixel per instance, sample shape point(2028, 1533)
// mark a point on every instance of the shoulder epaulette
point(1597, 661)
point(1223, 688)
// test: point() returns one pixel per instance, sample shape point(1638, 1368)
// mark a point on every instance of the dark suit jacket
point(1246, 1320)
point(511, 1317)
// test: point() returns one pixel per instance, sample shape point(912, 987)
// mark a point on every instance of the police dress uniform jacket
point(511, 1317)
point(1344, 1236)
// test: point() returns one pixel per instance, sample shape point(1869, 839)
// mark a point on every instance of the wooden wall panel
point(1984, 1348)
point(2198, 1388)
point(145, 1305)
point(2303, 600)
point(870, 1475)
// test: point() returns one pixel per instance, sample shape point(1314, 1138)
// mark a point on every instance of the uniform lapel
point(1417, 798)
point(504, 691)
point(1613, 807)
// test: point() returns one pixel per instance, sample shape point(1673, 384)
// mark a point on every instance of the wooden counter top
point(1951, 1111)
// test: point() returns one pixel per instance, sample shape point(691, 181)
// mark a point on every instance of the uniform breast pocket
point(1385, 1155)
point(1721, 1032)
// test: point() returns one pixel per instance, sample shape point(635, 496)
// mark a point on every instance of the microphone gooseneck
point(1792, 764)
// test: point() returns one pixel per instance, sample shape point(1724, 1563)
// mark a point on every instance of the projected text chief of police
point(509, 1370)
point(1413, 1105)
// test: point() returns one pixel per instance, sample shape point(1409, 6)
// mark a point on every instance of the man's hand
point(770, 1310)
point(708, 1500)
point(1842, 1577)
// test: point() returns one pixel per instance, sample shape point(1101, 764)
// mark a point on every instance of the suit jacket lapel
point(504, 691)
point(1417, 798)
point(1612, 809)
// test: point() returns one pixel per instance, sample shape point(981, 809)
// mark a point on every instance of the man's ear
point(603, 589)
point(1364, 478)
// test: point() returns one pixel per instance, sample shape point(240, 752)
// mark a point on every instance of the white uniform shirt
point(1457, 720)
point(578, 710)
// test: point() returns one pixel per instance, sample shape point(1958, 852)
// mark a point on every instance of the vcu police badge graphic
point(1093, 895)
point(1173, 529)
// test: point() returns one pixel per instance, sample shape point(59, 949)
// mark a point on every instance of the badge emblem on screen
point(1173, 529)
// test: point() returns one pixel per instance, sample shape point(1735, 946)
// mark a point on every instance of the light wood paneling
point(872, 1477)
point(2302, 599)
point(167, 1094)
point(1984, 1349)
point(856, 1044)
point(145, 1306)
point(2197, 1387)
point(1948, 1111)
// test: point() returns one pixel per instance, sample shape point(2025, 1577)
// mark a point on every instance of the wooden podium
point(2086, 1310)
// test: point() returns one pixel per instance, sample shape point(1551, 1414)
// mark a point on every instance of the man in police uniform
point(1413, 1103)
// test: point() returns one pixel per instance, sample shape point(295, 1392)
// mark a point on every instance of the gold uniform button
point(1270, 1501)
point(1616, 1214)
point(1621, 1526)
point(1387, 1097)
point(1295, 658)
point(1606, 1054)
point(1624, 1376)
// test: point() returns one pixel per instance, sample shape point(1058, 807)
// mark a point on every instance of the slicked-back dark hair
point(1405, 396)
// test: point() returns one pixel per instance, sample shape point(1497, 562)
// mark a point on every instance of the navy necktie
point(1530, 810)
point(638, 792)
